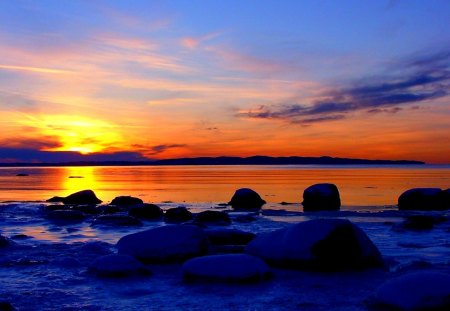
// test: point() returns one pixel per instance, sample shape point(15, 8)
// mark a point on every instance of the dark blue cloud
point(422, 79)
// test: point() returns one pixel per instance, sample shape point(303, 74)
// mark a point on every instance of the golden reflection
point(79, 178)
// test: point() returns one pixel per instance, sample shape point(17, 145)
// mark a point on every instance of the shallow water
point(359, 185)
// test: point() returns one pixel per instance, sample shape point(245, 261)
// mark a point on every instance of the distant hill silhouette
point(255, 160)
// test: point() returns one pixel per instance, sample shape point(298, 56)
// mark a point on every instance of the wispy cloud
point(422, 79)
point(36, 69)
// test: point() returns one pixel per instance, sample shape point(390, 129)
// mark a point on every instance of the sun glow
point(77, 134)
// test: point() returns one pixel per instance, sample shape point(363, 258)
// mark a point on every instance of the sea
point(45, 265)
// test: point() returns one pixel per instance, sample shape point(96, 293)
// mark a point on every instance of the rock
point(420, 222)
point(81, 197)
point(55, 207)
point(4, 241)
point(87, 209)
point(177, 215)
point(22, 175)
point(229, 236)
point(246, 199)
point(110, 209)
point(423, 290)
point(66, 215)
point(6, 306)
point(126, 201)
point(146, 211)
point(213, 217)
point(226, 268)
point(321, 197)
point(116, 220)
point(424, 199)
point(118, 266)
point(320, 244)
point(165, 244)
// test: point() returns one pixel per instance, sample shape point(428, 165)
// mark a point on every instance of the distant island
point(255, 160)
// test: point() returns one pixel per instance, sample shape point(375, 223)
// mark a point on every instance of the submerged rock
point(321, 197)
point(126, 201)
point(165, 244)
point(423, 290)
point(117, 266)
point(420, 222)
point(146, 211)
point(229, 236)
point(213, 217)
point(66, 215)
point(424, 199)
point(320, 244)
point(81, 197)
point(246, 199)
point(177, 215)
point(226, 268)
point(116, 220)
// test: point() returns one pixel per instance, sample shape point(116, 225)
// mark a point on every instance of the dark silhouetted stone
point(116, 220)
point(4, 241)
point(81, 197)
point(88, 209)
point(246, 199)
point(126, 201)
point(177, 215)
point(165, 244)
point(215, 217)
point(6, 306)
point(56, 207)
point(146, 211)
point(118, 266)
point(424, 199)
point(229, 236)
point(322, 244)
point(321, 197)
point(66, 215)
point(22, 175)
point(226, 268)
point(420, 222)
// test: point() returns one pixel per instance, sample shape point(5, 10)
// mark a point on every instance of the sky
point(137, 80)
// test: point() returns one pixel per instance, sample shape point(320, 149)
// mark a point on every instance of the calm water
point(359, 185)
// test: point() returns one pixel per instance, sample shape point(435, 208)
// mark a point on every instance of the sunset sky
point(135, 80)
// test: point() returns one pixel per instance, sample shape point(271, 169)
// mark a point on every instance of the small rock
point(4, 241)
point(213, 217)
point(321, 197)
point(177, 215)
point(246, 199)
point(226, 268)
point(126, 201)
point(146, 211)
point(118, 266)
point(165, 244)
point(420, 222)
point(22, 175)
point(423, 290)
point(6, 306)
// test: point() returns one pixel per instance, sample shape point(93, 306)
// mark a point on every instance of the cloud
point(155, 150)
point(36, 69)
point(420, 79)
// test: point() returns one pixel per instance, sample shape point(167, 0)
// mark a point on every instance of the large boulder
point(146, 211)
point(213, 217)
point(246, 199)
point(321, 197)
point(424, 199)
point(226, 268)
point(177, 215)
point(117, 266)
point(423, 290)
point(165, 244)
point(81, 197)
point(320, 244)
point(126, 201)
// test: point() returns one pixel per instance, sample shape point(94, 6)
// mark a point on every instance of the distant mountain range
point(255, 160)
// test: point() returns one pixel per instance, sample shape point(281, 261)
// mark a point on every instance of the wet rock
point(229, 236)
point(419, 222)
point(425, 290)
point(6, 306)
point(226, 268)
point(320, 244)
point(66, 215)
point(321, 197)
point(177, 215)
point(81, 197)
point(117, 266)
point(146, 211)
point(88, 209)
point(165, 244)
point(116, 220)
point(110, 209)
point(126, 201)
point(424, 199)
point(246, 199)
point(213, 217)
point(55, 207)
point(4, 241)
